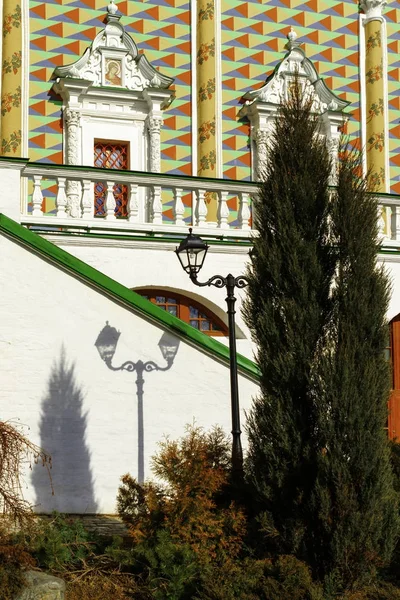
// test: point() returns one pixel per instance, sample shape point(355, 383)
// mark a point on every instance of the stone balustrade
point(61, 196)
point(389, 218)
point(68, 197)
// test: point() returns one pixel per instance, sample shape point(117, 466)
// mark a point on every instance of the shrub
point(14, 559)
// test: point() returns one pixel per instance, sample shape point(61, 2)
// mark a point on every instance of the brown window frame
point(121, 192)
point(183, 304)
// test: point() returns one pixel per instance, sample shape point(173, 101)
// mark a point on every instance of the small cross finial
point(292, 40)
point(112, 8)
point(292, 35)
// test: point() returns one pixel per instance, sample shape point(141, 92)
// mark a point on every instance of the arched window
point(187, 309)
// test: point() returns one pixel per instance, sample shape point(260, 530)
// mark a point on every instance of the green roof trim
point(123, 295)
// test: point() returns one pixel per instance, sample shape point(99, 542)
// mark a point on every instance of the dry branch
point(16, 450)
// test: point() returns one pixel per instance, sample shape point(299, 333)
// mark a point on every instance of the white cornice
point(82, 242)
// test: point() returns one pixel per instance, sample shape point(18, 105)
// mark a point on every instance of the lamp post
point(191, 253)
point(106, 345)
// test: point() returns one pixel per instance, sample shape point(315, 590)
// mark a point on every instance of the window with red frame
point(111, 155)
point(187, 309)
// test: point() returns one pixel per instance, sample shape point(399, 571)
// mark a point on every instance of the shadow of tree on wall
point(62, 433)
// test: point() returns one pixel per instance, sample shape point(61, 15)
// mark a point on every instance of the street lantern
point(191, 253)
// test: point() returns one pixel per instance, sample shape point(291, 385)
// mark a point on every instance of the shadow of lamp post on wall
point(191, 253)
point(106, 345)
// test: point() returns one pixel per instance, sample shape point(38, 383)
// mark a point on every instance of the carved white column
point(333, 148)
point(260, 137)
point(373, 8)
point(71, 121)
point(154, 127)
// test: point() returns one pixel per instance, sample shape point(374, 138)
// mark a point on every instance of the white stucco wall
point(392, 266)
point(144, 264)
point(85, 415)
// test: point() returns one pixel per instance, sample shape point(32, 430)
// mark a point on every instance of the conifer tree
point(355, 513)
point(318, 457)
point(287, 309)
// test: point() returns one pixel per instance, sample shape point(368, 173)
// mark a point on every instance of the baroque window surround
point(127, 107)
point(261, 105)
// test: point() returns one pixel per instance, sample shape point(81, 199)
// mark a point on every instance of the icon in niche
point(113, 72)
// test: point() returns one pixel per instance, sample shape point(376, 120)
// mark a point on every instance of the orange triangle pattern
point(253, 37)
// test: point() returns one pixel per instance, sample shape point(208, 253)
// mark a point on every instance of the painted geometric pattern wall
point(61, 30)
point(253, 37)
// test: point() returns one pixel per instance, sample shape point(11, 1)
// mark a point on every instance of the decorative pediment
point(277, 86)
point(260, 106)
point(113, 60)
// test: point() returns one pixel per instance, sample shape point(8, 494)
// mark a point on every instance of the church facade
point(122, 126)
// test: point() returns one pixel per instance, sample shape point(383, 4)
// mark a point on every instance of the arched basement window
point(187, 309)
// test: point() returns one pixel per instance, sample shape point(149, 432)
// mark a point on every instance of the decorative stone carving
point(333, 146)
point(373, 8)
point(71, 121)
point(73, 189)
point(113, 60)
point(114, 92)
point(261, 105)
point(154, 129)
point(261, 141)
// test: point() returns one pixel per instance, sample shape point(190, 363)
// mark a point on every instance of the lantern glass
point(191, 253)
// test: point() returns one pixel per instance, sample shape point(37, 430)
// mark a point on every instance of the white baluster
point(133, 204)
point(388, 210)
point(381, 222)
point(244, 210)
point(179, 208)
point(109, 204)
point(396, 228)
point(201, 208)
point(87, 200)
point(61, 200)
point(156, 205)
point(223, 210)
point(37, 196)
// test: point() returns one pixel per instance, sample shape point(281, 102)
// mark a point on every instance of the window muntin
point(111, 155)
point(188, 310)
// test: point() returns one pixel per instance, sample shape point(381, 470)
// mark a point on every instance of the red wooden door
point(394, 400)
